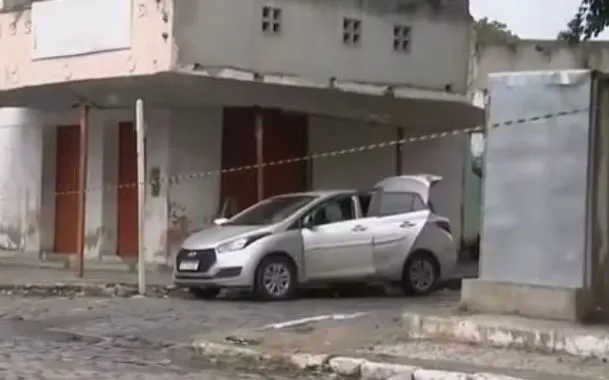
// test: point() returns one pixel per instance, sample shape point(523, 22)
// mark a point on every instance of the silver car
point(389, 234)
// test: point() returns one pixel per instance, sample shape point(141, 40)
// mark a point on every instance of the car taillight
point(445, 225)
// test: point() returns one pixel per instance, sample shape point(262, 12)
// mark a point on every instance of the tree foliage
point(591, 18)
point(492, 31)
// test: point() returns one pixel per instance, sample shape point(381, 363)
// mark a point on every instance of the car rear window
point(393, 203)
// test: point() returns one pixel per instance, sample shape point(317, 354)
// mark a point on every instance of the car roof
point(320, 193)
point(396, 182)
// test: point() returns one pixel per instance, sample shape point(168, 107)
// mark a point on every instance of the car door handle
point(407, 224)
point(359, 228)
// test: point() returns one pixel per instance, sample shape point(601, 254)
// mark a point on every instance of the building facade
point(318, 77)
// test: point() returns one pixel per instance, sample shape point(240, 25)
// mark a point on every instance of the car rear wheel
point(420, 274)
point(204, 293)
point(275, 279)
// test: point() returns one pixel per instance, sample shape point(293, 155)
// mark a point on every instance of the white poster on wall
point(73, 27)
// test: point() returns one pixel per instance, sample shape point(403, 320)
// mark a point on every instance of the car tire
point(420, 274)
point(275, 279)
point(204, 293)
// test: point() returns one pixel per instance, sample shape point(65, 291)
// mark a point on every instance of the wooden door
point(67, 181)
point(238, 149)
point(285, 136)
point(127, 221)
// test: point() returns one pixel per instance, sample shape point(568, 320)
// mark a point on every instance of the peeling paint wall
point(150, 49)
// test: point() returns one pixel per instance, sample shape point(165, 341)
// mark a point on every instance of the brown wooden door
point(285, 136)
point(66, 180)
point(238, 149)
point(127, 223)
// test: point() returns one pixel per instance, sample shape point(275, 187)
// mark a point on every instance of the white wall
point(354, 170)
point(444, 157)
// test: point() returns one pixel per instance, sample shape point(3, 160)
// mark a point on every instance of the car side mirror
point(220, 221)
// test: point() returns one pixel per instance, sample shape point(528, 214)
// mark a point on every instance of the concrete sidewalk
point(28, 268)
point(27, 275)
point(369, 347)
point(511, 332)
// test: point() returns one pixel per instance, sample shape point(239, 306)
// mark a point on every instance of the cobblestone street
point(132, 338)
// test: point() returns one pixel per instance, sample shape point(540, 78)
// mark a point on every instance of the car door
point(337, 245)
point(399, 219)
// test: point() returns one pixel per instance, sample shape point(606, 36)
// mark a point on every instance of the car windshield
point(270, 211)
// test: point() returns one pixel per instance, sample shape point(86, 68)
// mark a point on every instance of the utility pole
point(82, 186)
point(140, 129)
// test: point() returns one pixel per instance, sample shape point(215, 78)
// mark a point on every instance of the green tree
point(492, 31)
point(591, 18)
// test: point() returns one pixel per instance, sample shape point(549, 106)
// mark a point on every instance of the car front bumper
point(226, 270)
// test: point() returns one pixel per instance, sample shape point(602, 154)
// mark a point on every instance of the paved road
point(130, 338)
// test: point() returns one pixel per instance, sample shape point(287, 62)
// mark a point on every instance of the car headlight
point(238, 244)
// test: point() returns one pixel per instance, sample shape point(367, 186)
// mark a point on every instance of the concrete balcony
point(58, 41)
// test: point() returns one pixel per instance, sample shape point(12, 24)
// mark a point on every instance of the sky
point(536, 19)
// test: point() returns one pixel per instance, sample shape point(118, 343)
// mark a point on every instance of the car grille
point(206, 258)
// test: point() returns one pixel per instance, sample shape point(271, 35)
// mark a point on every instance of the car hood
point(211, 237)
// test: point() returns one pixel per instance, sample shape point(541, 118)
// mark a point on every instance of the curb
point(85, 290)
point(466, 329)
point(347, 367)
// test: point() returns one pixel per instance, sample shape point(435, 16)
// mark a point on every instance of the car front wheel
point(204, 293)
point(420, 274)
point(275, 279)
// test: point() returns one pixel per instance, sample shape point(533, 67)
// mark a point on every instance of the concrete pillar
point(21, 136)
point(158, 126)
point(94, 198)
point(195, 147)
point(544, 235)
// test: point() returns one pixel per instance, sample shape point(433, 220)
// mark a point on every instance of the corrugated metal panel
point(535, 180)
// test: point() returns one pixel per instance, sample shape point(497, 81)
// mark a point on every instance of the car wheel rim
point(276, 279)
point(422, 275)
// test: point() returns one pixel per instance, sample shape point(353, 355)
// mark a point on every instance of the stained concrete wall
point(311, 28)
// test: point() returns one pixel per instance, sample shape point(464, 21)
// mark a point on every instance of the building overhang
point(415, 110)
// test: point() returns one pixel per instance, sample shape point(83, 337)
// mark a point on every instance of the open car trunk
point(420, 184)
